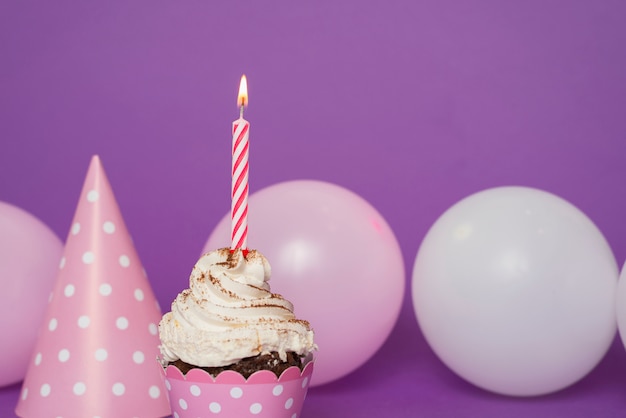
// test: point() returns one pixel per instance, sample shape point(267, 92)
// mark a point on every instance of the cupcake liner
point(198, 394)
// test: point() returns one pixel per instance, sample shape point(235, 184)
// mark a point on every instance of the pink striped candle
point(239, 195)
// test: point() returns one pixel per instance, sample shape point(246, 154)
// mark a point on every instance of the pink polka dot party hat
point(96, 351)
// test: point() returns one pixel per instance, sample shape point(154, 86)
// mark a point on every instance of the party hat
point(97, 348)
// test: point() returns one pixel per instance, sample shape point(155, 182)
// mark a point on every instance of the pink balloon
point(29, 260)
point(336, 258)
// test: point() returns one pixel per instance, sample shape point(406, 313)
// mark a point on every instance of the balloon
point(514, 290)
point(336, 259)
point(29, 260)
point(621, 305)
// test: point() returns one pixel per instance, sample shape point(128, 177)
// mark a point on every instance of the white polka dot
point(278, 389)
point(64, 355)
point(79, 388)
point(45, 390)
point(121, 322)
point(38, 359)
point(93, 196)
point(168, 385)
point(305, 382)
point(24, 393)
point(124, 261)
point(62, 263)
point(195, 390)
point(153, 329)
point(138, 357)
point(154, 392)
point(139, 294)
point(108, 227)
point(52, 325)
point(69, 290)
point(88, 257)
point(105, 289)
point(289, 403)
point(75, 228)
point(183, 404)
point(101, 354)
point(294, 416)
point(83, 321)
point(236, 393)
point(256, 408)
point(118, 389)
point(215, 407)
point(176, 415)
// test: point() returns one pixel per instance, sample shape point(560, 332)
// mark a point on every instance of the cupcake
point(231, 346)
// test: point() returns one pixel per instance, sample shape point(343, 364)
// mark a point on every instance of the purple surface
point(411, 104)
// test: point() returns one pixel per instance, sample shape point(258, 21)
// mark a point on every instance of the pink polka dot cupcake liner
point(198, 394)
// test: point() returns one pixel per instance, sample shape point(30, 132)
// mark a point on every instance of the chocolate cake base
point(248, 365)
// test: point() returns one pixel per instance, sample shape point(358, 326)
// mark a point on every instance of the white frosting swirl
point(229, 313)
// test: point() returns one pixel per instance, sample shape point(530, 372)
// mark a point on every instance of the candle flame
point(242, 98)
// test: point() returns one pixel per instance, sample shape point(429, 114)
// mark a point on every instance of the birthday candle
point(239, 191)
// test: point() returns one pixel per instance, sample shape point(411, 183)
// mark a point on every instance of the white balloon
point(621, 305)
point(514, 289)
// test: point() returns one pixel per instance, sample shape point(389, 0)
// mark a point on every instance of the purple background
point(411, 104)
